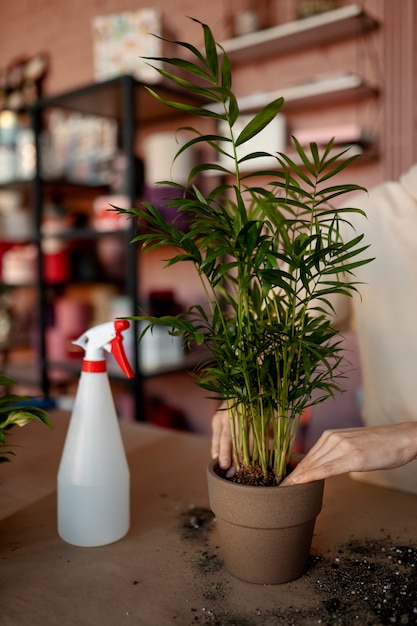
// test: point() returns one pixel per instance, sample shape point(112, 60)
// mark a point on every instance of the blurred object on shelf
point(307, 8)
point(71, 315)
point(249, 16)
point(8, 132)
point(246, 22)
point(23, 307)
point(55, 223)
point(111, 256)
point(56, 345)
point(163, 198)
point(75, 147)
point(21, 82)
point(5, 320)
point(17, 147)
point(117, 173)
point(159, 150)
point(16, 221)
point(158, 347)
point(25, 154)
point(271, 139)
point(7, 164)
point(100, 298)
point(83, 261)
point(111, 249)
point(4, 247)
point(106, 218)
point(20, 265)
point(120, 41)
point(9, 123)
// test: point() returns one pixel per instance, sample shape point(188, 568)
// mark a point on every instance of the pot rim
point(259, 488)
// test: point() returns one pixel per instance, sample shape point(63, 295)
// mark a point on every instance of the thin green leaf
point(260, 121)
point(211, 52)
point(183, 107)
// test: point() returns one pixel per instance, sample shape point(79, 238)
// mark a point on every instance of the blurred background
point(78, 134)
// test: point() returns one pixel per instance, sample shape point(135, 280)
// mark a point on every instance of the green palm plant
point(268, 254)
point(15, 410)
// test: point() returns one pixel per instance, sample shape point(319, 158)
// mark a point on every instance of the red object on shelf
point(4, 247)
point(56, 267)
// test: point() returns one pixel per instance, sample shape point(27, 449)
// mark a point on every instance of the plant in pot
point(15, 410)
point(267, 247)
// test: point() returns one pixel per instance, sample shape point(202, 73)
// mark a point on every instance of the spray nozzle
point(107, 337)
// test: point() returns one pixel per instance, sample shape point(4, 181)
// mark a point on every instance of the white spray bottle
point(93, 476)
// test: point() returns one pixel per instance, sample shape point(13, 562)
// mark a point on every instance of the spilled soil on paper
point(364, 582)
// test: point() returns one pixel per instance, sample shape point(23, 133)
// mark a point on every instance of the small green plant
point(15, 410)
point(268, 254)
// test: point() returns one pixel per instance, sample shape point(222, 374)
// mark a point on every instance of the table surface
point(168, 569)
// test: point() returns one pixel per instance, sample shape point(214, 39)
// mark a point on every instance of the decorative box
point(120, 40)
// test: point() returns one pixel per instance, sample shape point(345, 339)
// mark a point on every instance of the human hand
point(357, 450)
point(221, 440)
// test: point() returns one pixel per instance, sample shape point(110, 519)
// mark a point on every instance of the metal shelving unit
point(127, 101)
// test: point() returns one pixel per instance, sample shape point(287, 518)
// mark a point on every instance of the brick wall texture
point(387, 59)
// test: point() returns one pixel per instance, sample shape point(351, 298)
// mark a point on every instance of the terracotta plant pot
point(265, 532)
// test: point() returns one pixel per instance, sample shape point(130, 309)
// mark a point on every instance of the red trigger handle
point(117, 348)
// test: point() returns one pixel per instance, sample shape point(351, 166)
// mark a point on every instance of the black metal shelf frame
point(129, 102)
point(123, 96)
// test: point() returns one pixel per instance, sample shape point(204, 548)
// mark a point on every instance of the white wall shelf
point(326, 90)
point(348, 21)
